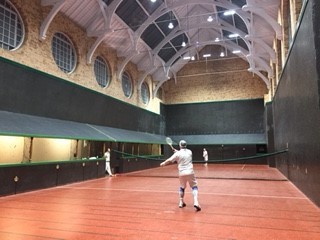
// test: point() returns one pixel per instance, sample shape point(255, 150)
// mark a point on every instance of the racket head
point(169, 140)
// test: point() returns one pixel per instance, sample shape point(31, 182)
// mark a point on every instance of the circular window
point(63, 52)
point(126, 84)
point(102, 72)
point(145, 93)
point(11, 27)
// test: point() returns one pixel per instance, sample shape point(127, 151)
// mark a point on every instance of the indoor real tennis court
point(239, 201)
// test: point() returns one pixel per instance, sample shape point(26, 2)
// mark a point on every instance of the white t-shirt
point(184, 159)
point(107, 156)
point(205, 155)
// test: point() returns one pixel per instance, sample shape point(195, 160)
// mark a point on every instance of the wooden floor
point(238, 202)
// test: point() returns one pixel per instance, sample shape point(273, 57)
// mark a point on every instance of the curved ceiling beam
point(230, 46)
point(108, 17)
point(96, 45)
point(262, 13)
point(92, 33)
point(155, 90)
point(159, 12)
point(178, 31)
point(123, 64)
point(250, 59)
point(151, 68)
point(266, 80)
point(222, 43)
point(161, 82)
point(265, 46)
point(57, 5)
point(163, 9)
point(262, 64)
point(111, 9)
point(144, 75)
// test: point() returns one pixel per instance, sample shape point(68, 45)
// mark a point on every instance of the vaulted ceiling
point(139, 31)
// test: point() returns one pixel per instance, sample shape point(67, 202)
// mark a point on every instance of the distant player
point(186, 174)
point(107, 157)
point(205, 156)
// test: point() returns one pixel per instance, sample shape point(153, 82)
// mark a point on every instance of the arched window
point(63, 52)
point(145, 93)
point(102, 72)
point(126, 84)
point(11, 27)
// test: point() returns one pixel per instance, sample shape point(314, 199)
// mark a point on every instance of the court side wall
point(28, 91)
point(296, 107)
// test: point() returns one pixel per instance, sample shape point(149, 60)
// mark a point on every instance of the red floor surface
point(238, 202)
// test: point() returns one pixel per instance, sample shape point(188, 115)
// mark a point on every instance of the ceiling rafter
point(57, 6)
point(260, 12)
point(256, 19)
point(111, 9)
point(243, 15)
point(178, 31)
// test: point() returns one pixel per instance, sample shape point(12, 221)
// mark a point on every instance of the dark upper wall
point(25, 90)
point(228, 117)
point(296, 107)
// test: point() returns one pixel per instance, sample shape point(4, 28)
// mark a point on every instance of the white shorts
point(191, 179)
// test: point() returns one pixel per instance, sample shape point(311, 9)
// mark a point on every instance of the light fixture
point(206, 55)
point(210, 19)
point(217, 40)
point(183, 44)
point(233, 35)
point(153, 1)
point(192, 58)
point(222, 54)
point(229, 12)
point(236, 51)
point(170, 26)
point(186, 58)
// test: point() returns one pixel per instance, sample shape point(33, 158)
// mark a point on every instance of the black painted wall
point(270, 133)
point(18, 178)
point(25, 90)
point(228, 117)
point(296, 107)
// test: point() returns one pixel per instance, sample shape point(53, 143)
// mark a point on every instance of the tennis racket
point(169, 142)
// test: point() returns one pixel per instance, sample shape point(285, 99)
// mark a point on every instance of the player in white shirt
point(107, 157)
point(186, 174)
point(205, 156)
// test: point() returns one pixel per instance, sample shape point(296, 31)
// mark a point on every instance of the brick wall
point(218, 80)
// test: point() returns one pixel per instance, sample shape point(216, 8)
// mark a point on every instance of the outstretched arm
point(166, 162)
point(170, 160)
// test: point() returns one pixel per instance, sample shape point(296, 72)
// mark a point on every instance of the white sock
point(195, 196)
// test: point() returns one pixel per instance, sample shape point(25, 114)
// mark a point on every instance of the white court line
point(200, 193)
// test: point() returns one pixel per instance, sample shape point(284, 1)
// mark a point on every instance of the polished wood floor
point(238, 202)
